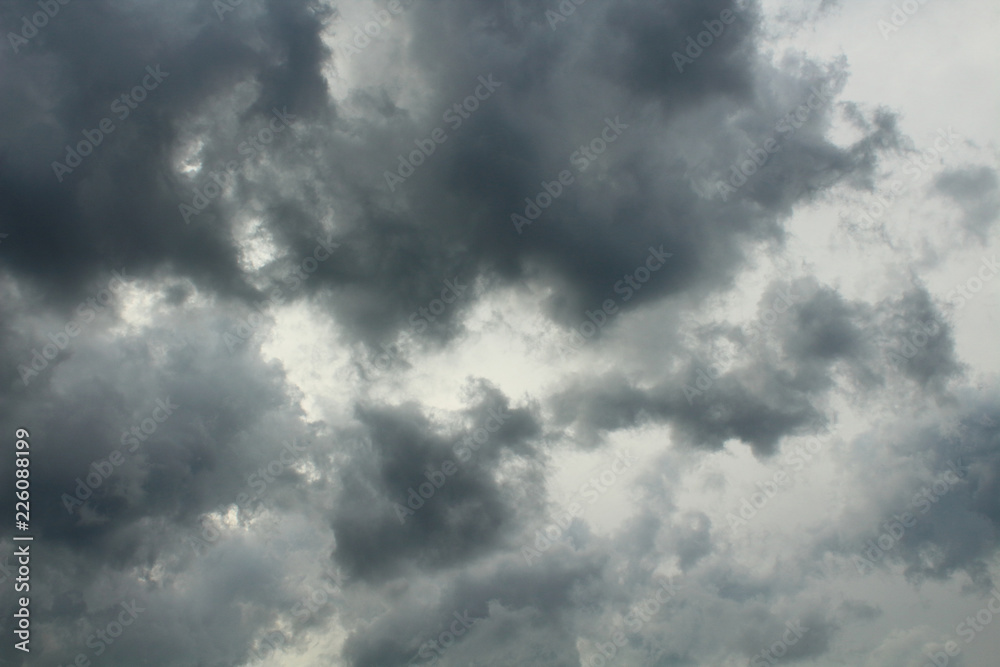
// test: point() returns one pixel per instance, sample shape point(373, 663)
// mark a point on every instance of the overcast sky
point(488, 333)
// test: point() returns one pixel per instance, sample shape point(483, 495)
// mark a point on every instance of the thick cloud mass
point(499, 333)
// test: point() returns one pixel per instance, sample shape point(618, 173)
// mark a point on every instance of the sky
point(466, 333)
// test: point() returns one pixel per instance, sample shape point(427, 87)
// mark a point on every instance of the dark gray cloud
point(975, 190)
point(426, 498)
point(270, 56)
point(232, 480)
point(786, 361)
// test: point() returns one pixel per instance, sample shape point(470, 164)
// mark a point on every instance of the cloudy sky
point(510, 332)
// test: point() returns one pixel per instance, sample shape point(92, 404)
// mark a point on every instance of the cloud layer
point(485, 333)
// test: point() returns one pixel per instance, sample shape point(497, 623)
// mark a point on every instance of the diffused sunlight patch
point(255, 241)
point(147, 305)
point(306, 342)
